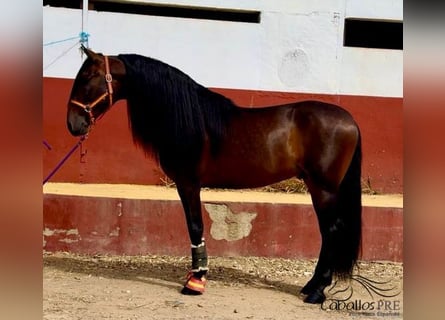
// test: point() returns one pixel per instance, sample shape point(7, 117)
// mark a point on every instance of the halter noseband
point(89, 107)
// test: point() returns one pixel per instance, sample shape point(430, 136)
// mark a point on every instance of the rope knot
point(83, 37)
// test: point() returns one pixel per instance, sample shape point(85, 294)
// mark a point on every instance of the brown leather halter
point(89, 106)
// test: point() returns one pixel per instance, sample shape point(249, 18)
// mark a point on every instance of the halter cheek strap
point(89, 106)
point(109, 80)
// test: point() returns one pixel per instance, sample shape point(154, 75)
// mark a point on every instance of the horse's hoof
point(190, 292)
point(315, 297)
point(308, 288)
point(194, 285)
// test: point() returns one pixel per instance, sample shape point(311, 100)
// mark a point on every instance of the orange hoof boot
point(194, 285)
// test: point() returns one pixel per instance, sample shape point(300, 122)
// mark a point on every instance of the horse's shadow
point(167, 274)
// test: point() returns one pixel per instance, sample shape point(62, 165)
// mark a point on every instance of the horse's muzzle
point(78, 127)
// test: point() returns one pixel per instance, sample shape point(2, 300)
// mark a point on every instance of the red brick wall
point(134, 226)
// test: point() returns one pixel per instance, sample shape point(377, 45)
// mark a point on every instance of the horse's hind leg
point(325, 205)
point(191, 202)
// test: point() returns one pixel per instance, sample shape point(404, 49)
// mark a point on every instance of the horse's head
point(92, 93)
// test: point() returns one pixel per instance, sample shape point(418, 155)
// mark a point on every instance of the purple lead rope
point(46, 144)
point(65, 158)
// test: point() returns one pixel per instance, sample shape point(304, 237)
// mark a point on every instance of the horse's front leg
point(191, 202)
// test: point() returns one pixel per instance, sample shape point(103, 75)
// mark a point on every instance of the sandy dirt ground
point(148, 287)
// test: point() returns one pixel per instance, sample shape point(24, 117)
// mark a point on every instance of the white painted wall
point(297, 47)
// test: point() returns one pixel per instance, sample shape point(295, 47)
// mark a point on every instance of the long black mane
point(169, 113)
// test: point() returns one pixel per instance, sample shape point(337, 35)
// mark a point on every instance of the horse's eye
point(87, 76)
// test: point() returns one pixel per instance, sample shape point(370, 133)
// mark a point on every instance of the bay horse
point(202, 139)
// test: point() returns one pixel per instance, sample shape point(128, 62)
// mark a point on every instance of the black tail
point(347, 228)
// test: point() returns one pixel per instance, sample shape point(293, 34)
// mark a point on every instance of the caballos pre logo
point(380, 298)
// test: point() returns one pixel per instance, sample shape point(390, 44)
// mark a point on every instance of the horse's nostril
point(77, 130)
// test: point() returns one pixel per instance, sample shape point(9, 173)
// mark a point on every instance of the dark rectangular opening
point(72, 4)
point(373, 34)
point(248, 16)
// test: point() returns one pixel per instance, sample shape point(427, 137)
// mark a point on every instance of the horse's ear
point(90, 53)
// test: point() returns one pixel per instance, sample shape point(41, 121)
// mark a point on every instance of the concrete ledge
point(134, 219)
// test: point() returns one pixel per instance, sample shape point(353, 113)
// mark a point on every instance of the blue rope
point(60, 56)
point(83, 38)
point(59, 41)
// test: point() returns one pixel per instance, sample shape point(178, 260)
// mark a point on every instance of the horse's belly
point(238, 175)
